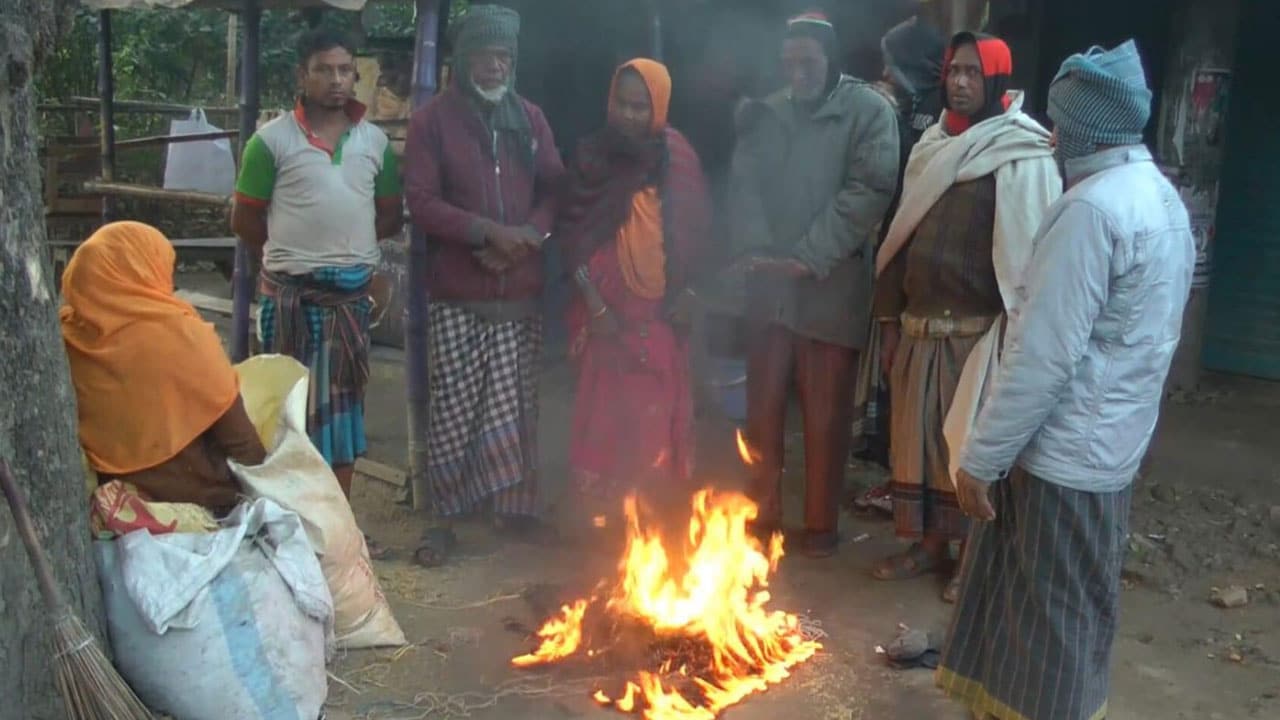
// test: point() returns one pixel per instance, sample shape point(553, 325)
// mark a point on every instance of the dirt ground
point(1206, 516)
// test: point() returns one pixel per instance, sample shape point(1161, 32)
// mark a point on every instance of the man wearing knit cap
point(913, 52)
point(1047, 471)
point(481, 169)
point(813, 173)
point(975, 189)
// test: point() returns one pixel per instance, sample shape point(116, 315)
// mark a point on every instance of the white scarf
point(1016, 149)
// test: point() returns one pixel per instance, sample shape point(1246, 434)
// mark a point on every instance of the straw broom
point(90, 686)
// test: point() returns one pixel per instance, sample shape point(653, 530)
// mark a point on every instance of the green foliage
point(179, 56)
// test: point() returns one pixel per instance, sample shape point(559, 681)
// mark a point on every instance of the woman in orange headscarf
point(635, 218)
point(159, 403)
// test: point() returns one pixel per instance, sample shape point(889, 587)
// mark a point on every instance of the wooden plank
point(384, 473)
point(216, 305)
point(155, 193)
point(80, 205)
point(213, 243)
point(91, 103)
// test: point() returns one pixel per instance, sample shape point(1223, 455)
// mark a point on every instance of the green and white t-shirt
point(321, 201)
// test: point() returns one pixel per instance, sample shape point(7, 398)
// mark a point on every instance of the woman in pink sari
point(636, 215)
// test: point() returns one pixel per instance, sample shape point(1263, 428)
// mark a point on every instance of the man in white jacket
point(1048, 468)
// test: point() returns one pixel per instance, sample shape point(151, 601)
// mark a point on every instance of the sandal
point(916, 561)
point(951, 593)
point(377, 551)
point(438, 543)
point(878, 499)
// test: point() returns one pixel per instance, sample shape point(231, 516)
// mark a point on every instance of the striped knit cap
point(1100, 97)
point(485, 25)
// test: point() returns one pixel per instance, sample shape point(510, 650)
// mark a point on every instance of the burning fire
point(715, 599)
point(749, 455)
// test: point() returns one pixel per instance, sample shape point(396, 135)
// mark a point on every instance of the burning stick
point(709, 616)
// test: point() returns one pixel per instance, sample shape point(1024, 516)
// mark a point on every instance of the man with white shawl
point(975, 189)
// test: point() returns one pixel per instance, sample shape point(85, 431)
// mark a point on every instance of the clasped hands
point(504, 246)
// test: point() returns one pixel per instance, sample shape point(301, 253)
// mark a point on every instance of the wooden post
point(233, 52)
point(106, 113)
point(426, 69)
point(242, 278)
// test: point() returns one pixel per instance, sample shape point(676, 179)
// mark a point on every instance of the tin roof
point(219, 4)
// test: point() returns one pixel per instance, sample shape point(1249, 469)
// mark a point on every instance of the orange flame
point(749, 455)
point(719, 597)
point(560, 636)
point(600, 521)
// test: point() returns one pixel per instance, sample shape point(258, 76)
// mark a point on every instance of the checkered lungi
point(322, 320)
point(482, 440)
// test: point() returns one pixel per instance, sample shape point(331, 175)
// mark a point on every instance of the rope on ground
point(461, 705)
point(467, 606)
point(811, 629)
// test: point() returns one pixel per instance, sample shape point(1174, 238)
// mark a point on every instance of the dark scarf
point(607, 172)
point(913, 53)
point(997, 72)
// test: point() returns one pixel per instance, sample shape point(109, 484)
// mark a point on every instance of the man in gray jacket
point(1048, 468)
point(813, 174)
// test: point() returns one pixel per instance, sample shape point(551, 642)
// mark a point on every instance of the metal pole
point(655, 29)
point(233, 52)
point(107, 111)
point(426, 71)
point(243, 276)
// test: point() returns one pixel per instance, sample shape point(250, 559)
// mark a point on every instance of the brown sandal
point(913, 563)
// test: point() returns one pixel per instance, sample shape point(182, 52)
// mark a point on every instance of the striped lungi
point(322, 321)
point(482, 440)
point(1032, 633)
point(926, 370)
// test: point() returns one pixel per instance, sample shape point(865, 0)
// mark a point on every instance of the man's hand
point(890, 333)
point(492, 261)
point(680, 313)
point(604, 323)
point(974, 497)
point(512, 243)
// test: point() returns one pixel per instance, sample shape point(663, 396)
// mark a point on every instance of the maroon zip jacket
point(453, 181)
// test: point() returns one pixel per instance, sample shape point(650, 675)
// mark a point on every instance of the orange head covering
point(657, 80)
point(150, 375)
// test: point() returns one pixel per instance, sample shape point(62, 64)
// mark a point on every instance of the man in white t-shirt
point(317, 188)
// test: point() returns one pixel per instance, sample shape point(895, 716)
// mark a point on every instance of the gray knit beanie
point(485, 25)
point(1100, 97)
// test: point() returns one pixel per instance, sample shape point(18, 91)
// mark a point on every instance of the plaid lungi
point(1033, 628)
point(322, 321)
point(482, 442)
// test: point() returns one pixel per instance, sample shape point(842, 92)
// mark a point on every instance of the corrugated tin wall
point(1243, 330)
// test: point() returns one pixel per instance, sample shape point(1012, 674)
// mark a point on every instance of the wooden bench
point(218, 250)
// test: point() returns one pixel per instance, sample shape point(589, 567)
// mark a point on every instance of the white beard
point(493, 96)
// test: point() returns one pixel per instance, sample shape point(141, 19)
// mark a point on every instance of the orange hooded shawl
point(150, 375)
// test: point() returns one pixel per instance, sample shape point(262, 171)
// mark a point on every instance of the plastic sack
point(232, 624)
point(296, 476)
point(203, 165)
point(117, 508)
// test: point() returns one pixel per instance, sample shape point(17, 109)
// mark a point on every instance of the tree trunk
point(37, 405)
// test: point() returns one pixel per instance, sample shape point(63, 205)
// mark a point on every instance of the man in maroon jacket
point(480, 173)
